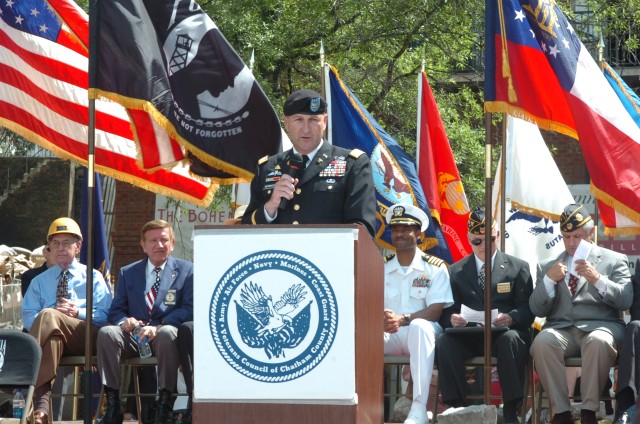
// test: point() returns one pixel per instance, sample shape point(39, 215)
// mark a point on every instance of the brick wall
point(568, 157)
point(26, 214)
point(134, 207)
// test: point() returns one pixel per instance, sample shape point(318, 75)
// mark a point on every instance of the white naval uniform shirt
point(420, 286)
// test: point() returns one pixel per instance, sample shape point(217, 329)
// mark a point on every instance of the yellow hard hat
point(64, 226)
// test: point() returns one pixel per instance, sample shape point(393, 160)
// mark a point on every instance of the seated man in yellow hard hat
point(54, 308)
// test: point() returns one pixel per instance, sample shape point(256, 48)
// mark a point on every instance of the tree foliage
point(378, 47)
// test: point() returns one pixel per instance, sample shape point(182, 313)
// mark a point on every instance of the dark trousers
point(185, 352)
point(628, 362)
point(510, 348)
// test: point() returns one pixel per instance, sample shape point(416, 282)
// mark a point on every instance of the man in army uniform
point(511, 285)
point(416, 289)
point(314, 182)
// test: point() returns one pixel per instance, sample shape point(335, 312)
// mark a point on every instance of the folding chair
point(20, 357)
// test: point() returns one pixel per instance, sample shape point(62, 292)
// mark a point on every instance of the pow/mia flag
point(169, 59)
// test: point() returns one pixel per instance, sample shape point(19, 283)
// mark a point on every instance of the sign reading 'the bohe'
point(274, 315)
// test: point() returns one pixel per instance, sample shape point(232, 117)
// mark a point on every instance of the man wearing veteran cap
point(314, 182)
point(54, 308)
point(511, 285)
point(581, 300)
point(416, 289)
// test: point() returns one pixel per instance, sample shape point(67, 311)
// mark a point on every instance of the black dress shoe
point(183, 417)
point(165, 408)
point(588, 417)
point(622, 419)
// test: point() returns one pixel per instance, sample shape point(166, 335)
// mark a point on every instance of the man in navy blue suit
point(155, 293)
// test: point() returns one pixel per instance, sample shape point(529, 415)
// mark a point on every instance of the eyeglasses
point(56, 244)
point(479, 241)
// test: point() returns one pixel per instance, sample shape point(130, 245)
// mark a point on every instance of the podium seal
point(273, 316)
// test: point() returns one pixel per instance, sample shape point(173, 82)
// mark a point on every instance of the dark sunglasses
point(479, 241)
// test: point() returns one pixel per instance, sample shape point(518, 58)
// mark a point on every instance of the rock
point(476, 414)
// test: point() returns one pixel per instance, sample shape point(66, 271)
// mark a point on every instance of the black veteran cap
point(404, 214)
point(476, 222)
point(574, 216)
point(306, 102)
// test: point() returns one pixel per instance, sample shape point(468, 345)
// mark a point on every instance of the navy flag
point(168, 60)
point(394, 171)
point(100, 247)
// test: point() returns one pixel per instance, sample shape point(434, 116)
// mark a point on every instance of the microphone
point(295, 163)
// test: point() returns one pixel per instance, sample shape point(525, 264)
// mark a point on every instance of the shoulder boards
point(389, 257)
point(432, 260)
point(356, 153)
point(263, 160)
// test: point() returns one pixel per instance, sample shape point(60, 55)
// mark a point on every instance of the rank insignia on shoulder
point(389, 257)
point(356, 153)
point(432, 260)
point(263, 160)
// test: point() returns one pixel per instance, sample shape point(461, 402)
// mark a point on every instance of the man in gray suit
point(582, 308)
point(629, 368)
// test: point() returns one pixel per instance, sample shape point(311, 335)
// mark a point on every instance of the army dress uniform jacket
point(335, 188)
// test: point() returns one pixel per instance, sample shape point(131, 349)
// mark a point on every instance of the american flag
point(44, 98)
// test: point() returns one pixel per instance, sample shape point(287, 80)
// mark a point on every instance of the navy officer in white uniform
point(416, 290)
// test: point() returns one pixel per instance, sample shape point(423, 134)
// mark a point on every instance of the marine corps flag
point(167, 61)
point(439, 174)
point(394, 171)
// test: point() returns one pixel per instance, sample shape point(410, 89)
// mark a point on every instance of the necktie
point(151, 296)
point(481, 277)
point(573, 284)
point(63, 286)
point(305, 161)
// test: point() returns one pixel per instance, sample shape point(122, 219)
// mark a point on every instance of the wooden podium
point(222, 293)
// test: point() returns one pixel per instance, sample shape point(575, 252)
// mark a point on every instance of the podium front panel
point(274, 315)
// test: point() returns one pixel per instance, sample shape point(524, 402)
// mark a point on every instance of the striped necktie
point(63, 286)
point(150, 298)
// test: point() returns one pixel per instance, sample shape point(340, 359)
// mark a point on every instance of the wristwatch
point(406, 319)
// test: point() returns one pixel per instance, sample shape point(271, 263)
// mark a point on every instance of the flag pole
point(487, 259)
point(322, 79)
point(88, 345)
point(596, 214)
point(323, 87)
point(503, 180)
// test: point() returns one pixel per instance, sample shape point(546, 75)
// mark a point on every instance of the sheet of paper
point(582, 252)
point(472, 315)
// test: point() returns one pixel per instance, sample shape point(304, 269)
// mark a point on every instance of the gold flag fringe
point(160, 119)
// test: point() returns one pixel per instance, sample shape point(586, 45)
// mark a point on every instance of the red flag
point(439, 175)
point(538, 69)
point(44, 98)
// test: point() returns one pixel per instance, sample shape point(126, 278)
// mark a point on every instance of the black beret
point(476, 222)
point(306, 102)
point(574, 216)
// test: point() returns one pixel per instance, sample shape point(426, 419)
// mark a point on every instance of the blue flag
point(394, 171)
point(100, 249)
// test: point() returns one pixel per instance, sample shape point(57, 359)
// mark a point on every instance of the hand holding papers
point(476, 316)
point(582, 253)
